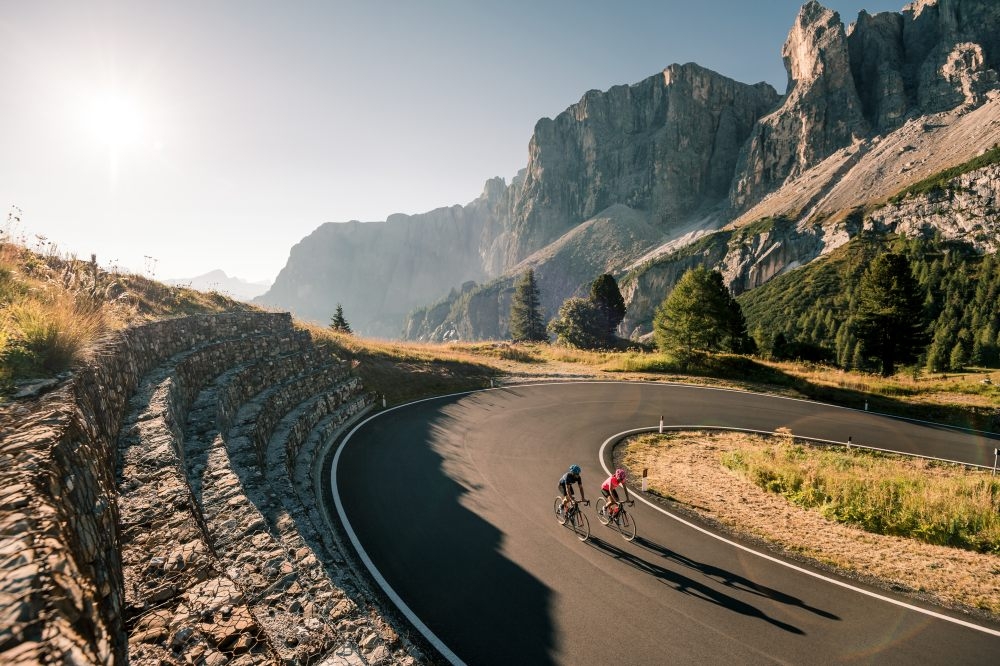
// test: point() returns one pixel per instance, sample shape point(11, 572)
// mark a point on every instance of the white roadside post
point(645, 471)
point(661, 425)
point(996, 454)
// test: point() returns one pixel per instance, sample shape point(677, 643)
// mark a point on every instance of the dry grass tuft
point(53, 307)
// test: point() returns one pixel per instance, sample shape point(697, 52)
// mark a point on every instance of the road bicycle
point(574, 518)
point(620, 520)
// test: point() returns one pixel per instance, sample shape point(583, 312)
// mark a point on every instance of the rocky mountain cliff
point(965, 208)
point(380, 271)
point(629, 177)
point(665, 146)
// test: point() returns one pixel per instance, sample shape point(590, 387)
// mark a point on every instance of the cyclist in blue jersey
point(566, 486)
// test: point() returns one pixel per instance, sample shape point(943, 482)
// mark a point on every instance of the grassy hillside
point(812, 307)
point(53, 306)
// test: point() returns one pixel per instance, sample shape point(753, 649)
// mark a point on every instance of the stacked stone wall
point(62, 582)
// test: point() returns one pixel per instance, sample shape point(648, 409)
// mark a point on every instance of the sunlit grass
point(54, 307)
point(46, 335)
point(937, 503)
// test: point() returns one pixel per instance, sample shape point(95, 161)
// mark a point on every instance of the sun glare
point(115, 120)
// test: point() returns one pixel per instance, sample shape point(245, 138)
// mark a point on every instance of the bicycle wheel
point(602, 511)
point(581, 525)
point(626, 525)
point(560, 516)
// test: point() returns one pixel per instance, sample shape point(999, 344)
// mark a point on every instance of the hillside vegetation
point(809, 313)
point(52, 306)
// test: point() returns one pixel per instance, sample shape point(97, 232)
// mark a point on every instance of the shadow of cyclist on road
point(730, 579)
point(687, 585)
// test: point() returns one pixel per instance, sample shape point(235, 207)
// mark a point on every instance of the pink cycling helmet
point(621, 474)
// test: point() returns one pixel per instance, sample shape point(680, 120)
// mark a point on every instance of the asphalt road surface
point(451, 501)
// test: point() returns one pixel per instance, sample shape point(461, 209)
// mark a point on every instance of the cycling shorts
point(565, 490)
point(610, 493)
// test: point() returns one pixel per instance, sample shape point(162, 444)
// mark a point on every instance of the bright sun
point(115, 120)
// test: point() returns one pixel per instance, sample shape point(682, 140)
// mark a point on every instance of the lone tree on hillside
point(700, 313)
point(604, 293)
point(889, 320)
point(526, 321)
point(580, 323)
point(338, 322)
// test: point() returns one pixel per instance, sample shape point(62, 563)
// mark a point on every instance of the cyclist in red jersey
point(608, 489)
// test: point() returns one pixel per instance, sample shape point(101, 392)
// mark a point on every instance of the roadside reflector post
point(645, 471)
point(383, 401)
point(866, 405)
point(848, 441)
point(996, 454)
point(661, 425)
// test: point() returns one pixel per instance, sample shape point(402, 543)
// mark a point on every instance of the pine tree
point(957, 360)
point(604, 293)
point(338, 322)
point(857, 359)
point(888, 322)
point(700, 313)
point(526, 321)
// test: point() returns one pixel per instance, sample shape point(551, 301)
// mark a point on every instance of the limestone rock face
point(379, 271)
point(666, 145)
point(564, 268)
point(875, 47)
point(821, 113)
point(955, 75)
point(966, 210)
point(932, 57)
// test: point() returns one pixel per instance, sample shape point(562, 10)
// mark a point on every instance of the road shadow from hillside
point(730, 579)
point(687, 585)
point(443, 560)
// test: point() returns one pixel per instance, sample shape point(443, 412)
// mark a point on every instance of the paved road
point(452, 501)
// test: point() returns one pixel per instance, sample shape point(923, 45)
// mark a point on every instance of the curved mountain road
point(451, 501)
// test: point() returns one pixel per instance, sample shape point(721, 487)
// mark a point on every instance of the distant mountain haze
point(217, 280)
point(649, 179)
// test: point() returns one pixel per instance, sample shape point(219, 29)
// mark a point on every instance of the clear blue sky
point(218, 134)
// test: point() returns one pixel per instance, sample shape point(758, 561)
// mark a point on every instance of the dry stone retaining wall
point(158, 506)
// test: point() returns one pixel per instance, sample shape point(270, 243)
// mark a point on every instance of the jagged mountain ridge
point(664, 146)
point(868, 110)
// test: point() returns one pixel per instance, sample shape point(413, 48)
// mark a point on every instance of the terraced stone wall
point(111, 544)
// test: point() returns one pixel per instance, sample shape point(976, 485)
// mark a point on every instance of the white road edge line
point(445, 651)
point(429, 635)
point(814, 574)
